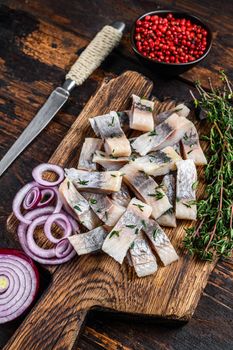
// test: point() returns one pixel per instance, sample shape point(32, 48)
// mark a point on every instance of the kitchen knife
point(90, 59)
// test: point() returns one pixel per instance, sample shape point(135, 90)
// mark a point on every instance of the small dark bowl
point(171, 69)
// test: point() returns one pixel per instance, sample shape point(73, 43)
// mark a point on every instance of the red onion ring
point(57, 218)
point(19, 199)
point(46, 191)
point(19, 282)
point(32, 198)
point(38, 171)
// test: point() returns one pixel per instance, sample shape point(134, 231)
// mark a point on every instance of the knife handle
point(98, 49)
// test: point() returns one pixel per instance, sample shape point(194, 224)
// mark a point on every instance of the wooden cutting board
point(97, 280)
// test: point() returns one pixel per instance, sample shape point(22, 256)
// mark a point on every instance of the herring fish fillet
point(160, 242)
point(169, 187)
point(146, 189)
point(185, 190)
point(88, 242)
point(159, 162)
point(101, 182)
point(78, 204)
point(104, 207)
point(108, 127)
point(140, 116)
point(191, 147)
point(88, 149)
point(165, 134)
point(109, 162)
point(122, 197)
point(119, 240)
point(142, 257)
point(180, 109)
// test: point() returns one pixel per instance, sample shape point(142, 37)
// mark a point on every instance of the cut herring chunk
point(159, 162)
point(142, 257)
point(180, 109)
point(109, 162)
point(146, 189)
point(125, 231)
point(191, 147)
point(160, 242)
point(88, 242)
point(78, 204)
point(108, 127)
point(105, 208)
point(88, 149)
point(140, 116)
point(185, 190)
point(122, 197)
point(165, 134)
point(169, 187)
point(101, 182)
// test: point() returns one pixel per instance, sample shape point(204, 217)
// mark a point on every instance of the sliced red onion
point(32, 198)
point(18, 201)
point(38, 172)
point(19, 282)
point(58, 219)
point(46, 192)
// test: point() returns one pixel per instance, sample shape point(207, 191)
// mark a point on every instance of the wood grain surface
point(38, 41)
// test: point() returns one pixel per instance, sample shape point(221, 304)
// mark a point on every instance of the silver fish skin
point(78, 204)
point(109, 162)
point(88, 242)
point(169, 187)
point(191, 147)
point(177, 147)
point(185, 190)
point(104, 207)
point(165, 134)
point(180, 109)
point(108, 127)
point(159, 162)
point(89, 147)
point(124, 120)
point(122, 197)
point(123, 234)
point(160, 242)
point(146, 189)
point(100, 182)
point(142, 257)
point(140, 116)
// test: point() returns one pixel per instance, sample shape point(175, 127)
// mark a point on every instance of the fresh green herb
point(213, 235)
point(113, 150)
point(114, 233)
point(98, 210)
point(113, 157)
point(131, 226)
point(113, 175)
point(112, 122)
point(155, 233)
point(194, 185)
point(143, 223)
point(136, 231)
point(82, 182)
point(68, 184)
point(144, 173)
point(158, 195)
point(77, 208)
point(190, 203)
point(93, 201)
point(185, 137)
point(132, 245)
point(190, 151)
point(139, 206)
point(106, 215)
point(133, 157)
point(122, 174)
point(152, 133)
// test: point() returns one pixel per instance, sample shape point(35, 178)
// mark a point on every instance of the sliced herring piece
point(180, 109)
point(185, 190)
point(104, 207)
point(159, 162)
point(109, 162)
point(142, 257)
point(123, 234)
point(169, 187)
point(160, 242)
point(140, 117)
point(101, 182)
point(78, 204)
point(88, 149)
point(122, 197)
point(191, 147)
point(165, 134)
point(88, 242)
point(146, 189)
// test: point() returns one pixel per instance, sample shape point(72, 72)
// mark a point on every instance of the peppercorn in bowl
point(170, 42)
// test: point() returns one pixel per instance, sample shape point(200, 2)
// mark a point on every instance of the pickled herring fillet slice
point(123, 234)
point(109, 162)
point(78, 204)
point(100, 182)
point(191, 147)
point(169, 187)
point(122, 197)
point(88, 242)
point(146, 189)
point(142, 257)
point(108, 127)
point(104, 207)
point(185, 190)
point(88, 149)
point(159, 162)
point(180, 109)
point(160, 242)
point(140, 116)
point(165, 134)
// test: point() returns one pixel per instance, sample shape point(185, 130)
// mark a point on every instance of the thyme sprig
point(213, 235)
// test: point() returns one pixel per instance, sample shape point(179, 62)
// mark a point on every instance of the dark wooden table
point(39, 40)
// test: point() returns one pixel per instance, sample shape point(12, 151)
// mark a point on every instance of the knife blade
point(89, 60)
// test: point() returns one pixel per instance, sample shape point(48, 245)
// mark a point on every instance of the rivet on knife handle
point(98, 49)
